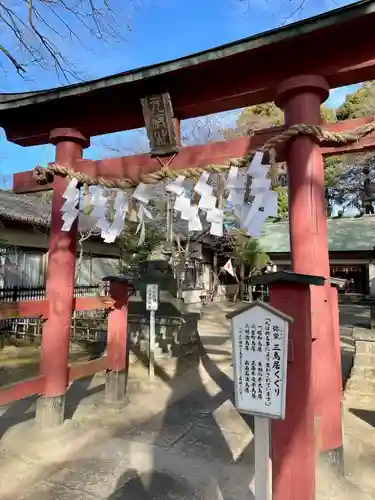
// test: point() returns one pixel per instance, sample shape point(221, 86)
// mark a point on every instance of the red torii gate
point(266, 67)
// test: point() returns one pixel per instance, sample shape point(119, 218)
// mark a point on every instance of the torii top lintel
point(336, 45)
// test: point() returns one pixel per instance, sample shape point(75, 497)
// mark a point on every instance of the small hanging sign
point(160, 125)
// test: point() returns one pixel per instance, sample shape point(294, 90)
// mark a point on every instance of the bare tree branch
point(83, 236)
point(35, 31)
point(297, 9)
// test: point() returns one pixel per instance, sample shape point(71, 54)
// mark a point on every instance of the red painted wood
point(22, 390)
point(86, 368)
point(301, 98)
point(336, 433)
point(91, 303)
point(191, 156)
point(37, 308)
point(293, 448)
point(60, 280)
point(24, 309)
point(117, 327)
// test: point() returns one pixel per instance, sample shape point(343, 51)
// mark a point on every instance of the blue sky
point(160, 30)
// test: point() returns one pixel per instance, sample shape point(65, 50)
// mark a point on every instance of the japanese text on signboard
point(158, 115)
point(152, 299)
point(260, 350)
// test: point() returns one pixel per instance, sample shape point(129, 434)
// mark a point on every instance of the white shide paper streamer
point(121, 207)
point(251, 216)
point(99, 203)
point(69, 209)
point(264, 204)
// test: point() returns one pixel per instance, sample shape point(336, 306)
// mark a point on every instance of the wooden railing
point(39, 308)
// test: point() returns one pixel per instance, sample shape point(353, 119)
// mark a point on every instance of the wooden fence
point(85, 323)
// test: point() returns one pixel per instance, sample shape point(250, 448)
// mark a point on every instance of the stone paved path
point(198, 448)
point(192, 446)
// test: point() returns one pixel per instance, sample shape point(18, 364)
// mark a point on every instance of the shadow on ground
point(198, 448)
point(354, 315)
point(188, 430)
point(367, 416)
point(24, 410)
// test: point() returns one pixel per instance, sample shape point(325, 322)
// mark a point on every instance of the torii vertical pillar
point(120, 288)
point(301, 98)
point(59, 289)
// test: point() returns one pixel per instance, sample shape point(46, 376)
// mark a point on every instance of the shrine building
point(351, 242)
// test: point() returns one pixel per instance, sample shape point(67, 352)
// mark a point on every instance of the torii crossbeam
point(130, 167)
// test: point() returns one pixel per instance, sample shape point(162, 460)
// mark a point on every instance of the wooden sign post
point(260, 354)
point(152, 305)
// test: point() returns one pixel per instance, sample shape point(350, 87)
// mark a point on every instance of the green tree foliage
point(344, 174)
point(328, 115)
point(332, 170)
point(248, 256)
point(266, 115)
point(282, 202)
point(131, 253)
point(247, 251)
point(359, 103)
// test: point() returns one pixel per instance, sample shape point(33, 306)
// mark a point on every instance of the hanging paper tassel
point(99, 202)
point(69, 210)
point(201, 187)
point(264, 201)
point(176, 186)
point(194, 222)
point(207, 201)
point(143, 193)
point(216, 217)
point(256, 169)
point(143, 214)
point(264, 204)
point(121, 207)
point(236, 188)
point(182, 203)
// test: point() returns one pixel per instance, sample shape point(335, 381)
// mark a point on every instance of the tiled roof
point(33, 209)
point(344, 234)
point(36, 210)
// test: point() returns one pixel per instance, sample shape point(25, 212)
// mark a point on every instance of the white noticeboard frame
point(152, 305)
point(260, 358)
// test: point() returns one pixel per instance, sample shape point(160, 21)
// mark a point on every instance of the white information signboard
point(152, 304)
point(260, 357)
point(152, 297)
point(260, 351)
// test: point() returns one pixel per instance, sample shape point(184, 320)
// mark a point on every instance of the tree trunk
point(179, 270)
point(215, 277)
point(242, 282)
point(237, 288)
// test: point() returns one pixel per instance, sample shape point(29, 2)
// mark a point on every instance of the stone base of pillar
point(335, 459)
point(50, 412)
point(360, 387)
point(115, 386)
